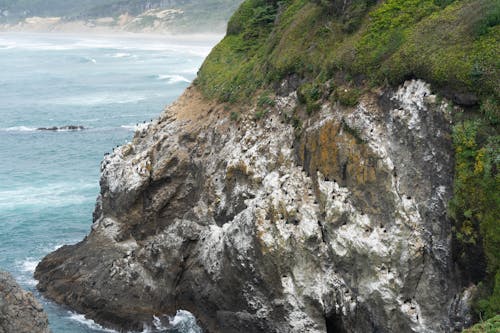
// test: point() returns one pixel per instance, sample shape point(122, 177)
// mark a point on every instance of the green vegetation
point(475, 209)
point(259, 114)
point(310, 94)
point(229, 74)
point(347, 96)
point(265, 100)
point(490, 326)
point(235, 116)
point(452, 44)
point(337, 49)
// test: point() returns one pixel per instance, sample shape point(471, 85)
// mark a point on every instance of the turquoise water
point(49, 180)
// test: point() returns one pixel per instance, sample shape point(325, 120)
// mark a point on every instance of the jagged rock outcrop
point(20, 312)
point(254, 227)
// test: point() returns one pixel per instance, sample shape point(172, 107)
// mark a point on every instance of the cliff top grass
point(452, 44)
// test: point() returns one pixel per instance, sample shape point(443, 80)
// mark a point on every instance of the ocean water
point(49, 180)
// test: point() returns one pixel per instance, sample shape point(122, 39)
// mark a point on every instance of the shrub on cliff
point(490, 326)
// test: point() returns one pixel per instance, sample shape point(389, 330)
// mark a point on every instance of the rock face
point(255, 227)
point(20, 312)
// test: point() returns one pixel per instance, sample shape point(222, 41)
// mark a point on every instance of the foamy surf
point(195, 45)
point(26, 270)
point(19, 129)
point(29, 265)
point(49, 195)
point(89, 323)
point(99, 99)
point(173, 78)
point(121, 55)
point(183, 321)
point(137, 127)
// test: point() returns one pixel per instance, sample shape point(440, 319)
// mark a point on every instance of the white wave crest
point(49, 195)
point(26, 269)
point(19, 129)
point(98, 99)
point(137, 127)
point(58, 246)
point(171, 79)
point(129, 127)
point(184, 321)
point(88, 322)
point(195, 45)
point(29, 265)
point(121, 55)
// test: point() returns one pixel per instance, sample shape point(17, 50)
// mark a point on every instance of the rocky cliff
point(248, 225)
point(303, 183)
point(20, 312)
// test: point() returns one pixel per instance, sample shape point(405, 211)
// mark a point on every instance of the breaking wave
point(173, 78)
point(99, 99)
point(50, 195)
point(19, 129)
point(182, 322)
point(121, 55)
point(89, 323)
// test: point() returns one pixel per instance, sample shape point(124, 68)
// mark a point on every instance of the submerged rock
point(62, 128)
point(20, 312)
point(254, 228)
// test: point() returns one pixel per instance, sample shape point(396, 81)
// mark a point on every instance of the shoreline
point(213, 38)
point(58, 25)
point(118, 32)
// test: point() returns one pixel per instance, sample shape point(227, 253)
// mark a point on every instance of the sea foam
point(89, 323)
point(98, 99)
point(26, 269)
point(173, 78)
point(19, 129)
point(121, 55)
point(49, 195)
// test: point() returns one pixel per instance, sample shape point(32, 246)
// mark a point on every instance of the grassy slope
point(339, 51)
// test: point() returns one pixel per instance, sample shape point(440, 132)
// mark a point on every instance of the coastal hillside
point(121, 15)
point(333, 168)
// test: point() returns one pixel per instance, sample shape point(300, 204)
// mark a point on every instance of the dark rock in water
point(62, 128)
point(20, 312)
point(252, 236)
